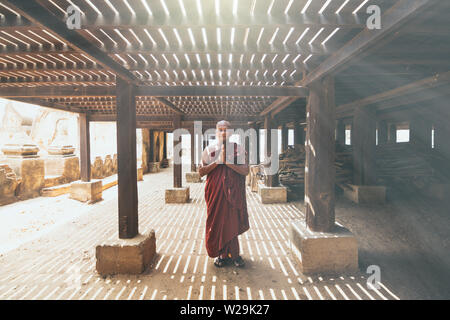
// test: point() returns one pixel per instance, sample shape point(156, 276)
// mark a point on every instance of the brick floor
point(61, 263)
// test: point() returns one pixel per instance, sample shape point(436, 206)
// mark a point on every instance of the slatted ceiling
point(181, 42)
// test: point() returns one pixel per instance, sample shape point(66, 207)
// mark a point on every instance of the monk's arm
point(207, 166)
point(205, 169)
point(242, 169)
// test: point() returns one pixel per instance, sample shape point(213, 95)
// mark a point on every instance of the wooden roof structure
point(207, 60)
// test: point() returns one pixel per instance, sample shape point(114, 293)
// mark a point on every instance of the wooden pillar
point(420, 132)
point(284, 138)
point(126, 158)
point(152, 148)
point(177, 165)
point(442, 137)
point(320, 154)
point(363, 141)
point(165, 146)
point(299, 134)
point(272, 180)
point(258, 145)
point(85, 147)
point(382, 132)
point(340, 133)
point(193, 166)
point(392, 133)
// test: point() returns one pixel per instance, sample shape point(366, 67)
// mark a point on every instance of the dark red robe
point(226, 203)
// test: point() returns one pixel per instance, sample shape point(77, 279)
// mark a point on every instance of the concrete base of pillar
point(153, 167)
point(269, 195)
point(126, 256)
point(366, 194)
point(438, 191)
point(193, 177)
point(86, 191)
point(322, 252)
point(177, 195)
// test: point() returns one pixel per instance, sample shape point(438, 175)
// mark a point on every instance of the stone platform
point(126, 256)
point(328, 253)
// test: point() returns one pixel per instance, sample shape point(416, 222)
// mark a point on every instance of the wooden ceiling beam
point(401, 13)
point(38, 15)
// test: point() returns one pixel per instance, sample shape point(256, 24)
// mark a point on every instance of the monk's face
point(221, 132)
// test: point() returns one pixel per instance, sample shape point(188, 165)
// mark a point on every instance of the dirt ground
point(408, 238)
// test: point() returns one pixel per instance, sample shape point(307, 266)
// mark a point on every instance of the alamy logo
point(374, 21)
point(74, 18)
point(373, 282)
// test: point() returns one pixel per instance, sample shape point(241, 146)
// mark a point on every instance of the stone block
point(177, 195)
point(86, 191)
point(193, 177)
point(140, 174)
point(269, 195)
point(126, 256)
point(366, 194)
point(32, 174)
point(8, 184)
point(56, 190)
point(108, 166)
point(328, 253)
point(154, 167)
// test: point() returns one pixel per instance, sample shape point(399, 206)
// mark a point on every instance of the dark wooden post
point(340, 133)
point(382, 132)
point(420, 132)
point(363, 141)
point(320, 154)
point(258, 145)
point(299, 134)
point(126, 158)
point(441, 137)
point(177, 165)
point(392, 133)
point(152, 148)
point(85, 147)
point(193, 166)
point(272, 180)
point(165, 146)
point(284, 138)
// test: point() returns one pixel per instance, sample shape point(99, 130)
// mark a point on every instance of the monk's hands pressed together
point(222, 156)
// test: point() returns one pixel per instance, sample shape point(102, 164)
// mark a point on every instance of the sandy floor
point(48, 251)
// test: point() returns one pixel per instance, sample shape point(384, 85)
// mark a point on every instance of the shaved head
point(223, 123)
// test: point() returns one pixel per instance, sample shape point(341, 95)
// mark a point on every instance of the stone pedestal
point(67, 167)
point(8, 185)
point(140, 174)
point(97, 169)
point(86, 191)
point(326, 253)
point(193, 177)
point(31, 171)
point(153, 167)
point(126, 256)
point(269, 195)
point(366, 194)
point(177, 195)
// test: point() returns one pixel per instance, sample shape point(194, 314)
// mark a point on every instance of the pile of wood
point(292, 167)
point(407, 166)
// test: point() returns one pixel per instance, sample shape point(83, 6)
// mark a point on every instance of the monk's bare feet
point(239, 262)
point(221, 262)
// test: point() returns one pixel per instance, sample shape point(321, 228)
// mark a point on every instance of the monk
point(226, 203)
